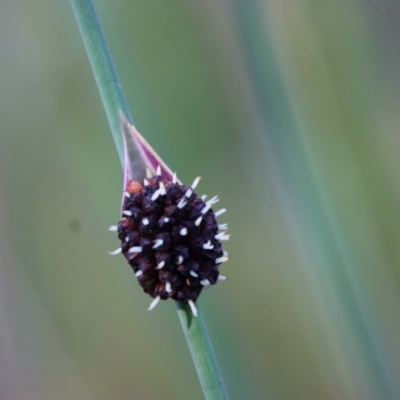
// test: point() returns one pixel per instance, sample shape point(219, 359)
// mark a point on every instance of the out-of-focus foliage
point(289, 110)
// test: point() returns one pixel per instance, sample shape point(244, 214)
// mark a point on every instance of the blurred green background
point(289, 110)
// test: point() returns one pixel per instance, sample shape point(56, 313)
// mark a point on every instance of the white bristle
point(192, 307)
point(198, 220)
point(221, 211)
point(163, 192)
point(126, 194)
point(179, 260)
point(139, 273)
point(225, 253)
point(193, 274)
point(223, 226)
point(127, 239)
point(195, 182)
point(208, 245)
point(155, 195)
point(168, 287)
point(113, 228)
point(135, 249)
point(188, 193)
point(225, 237)
point(127, 213)
point(146, 182)
point(221, 260)
point(158, 171)
point(154, 303)
point(174, 177)
point(203, 197)
point(160, 265)
point(166, 219)
point(205, 209)
point(158, 243)
point(222, 278)
point(219, 235)
point(182, 203)
point(222, 236)
point(145, 221)
point(183, 232)
point(115, 252)
point(205, 282)
point(213, 200)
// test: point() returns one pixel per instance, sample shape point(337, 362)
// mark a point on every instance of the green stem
point(103, 68)
point(202, 353)
point(115, 104)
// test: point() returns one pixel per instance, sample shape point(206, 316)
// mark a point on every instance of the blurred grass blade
point(306, 186)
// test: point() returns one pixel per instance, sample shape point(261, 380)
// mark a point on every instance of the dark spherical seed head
point(168, 236)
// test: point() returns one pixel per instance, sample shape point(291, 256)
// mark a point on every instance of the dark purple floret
point(170, 238)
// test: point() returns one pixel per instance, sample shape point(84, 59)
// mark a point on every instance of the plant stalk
point(103, 68)
point(202, 353)
point(115, 105)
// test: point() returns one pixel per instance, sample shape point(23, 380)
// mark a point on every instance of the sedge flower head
point(170, 236)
